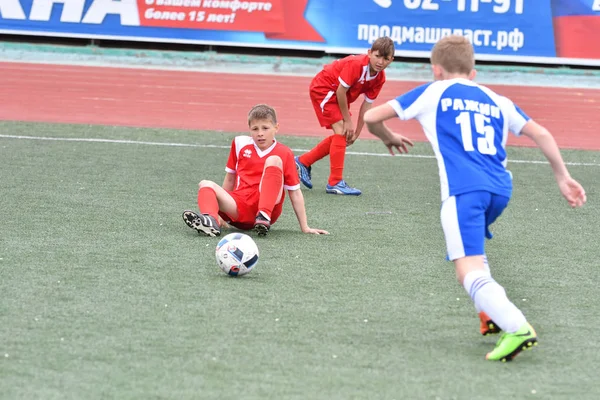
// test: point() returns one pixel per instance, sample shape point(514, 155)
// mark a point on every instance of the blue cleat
point(343, 189)
point(303, 173)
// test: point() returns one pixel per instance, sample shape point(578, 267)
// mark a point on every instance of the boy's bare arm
point(297, 200)
point(375, 117)
point(547, 144)
point(342, 100)
point(361, 121)
point(229, 181)
point(571, 190)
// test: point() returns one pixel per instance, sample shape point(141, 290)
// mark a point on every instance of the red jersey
point(352, 72)
point(247, 161)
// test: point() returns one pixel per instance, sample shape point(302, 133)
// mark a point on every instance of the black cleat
point(262, 225)
point(204, 223)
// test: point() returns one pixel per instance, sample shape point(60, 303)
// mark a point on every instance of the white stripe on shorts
point(449, 216)
point(326, 99)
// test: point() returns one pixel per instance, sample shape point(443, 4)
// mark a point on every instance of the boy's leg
point(337, 155)
point(316, 153)
point(211, 199)
point(271, 191)
point(304, 162)
point(491, 298)
point(325, 105)
point(463, 221)
point(487, 325)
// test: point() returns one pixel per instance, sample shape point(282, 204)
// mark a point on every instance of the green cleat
point(511, 344)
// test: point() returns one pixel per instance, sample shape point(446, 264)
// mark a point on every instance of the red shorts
point(325, 103)
point(247, 206)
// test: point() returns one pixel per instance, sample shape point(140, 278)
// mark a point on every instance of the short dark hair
point(385, 46)
point(262, 111)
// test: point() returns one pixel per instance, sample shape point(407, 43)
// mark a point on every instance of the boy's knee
point(273, 161)
point(206, 183)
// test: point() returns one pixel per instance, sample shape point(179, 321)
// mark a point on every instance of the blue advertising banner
point(546, 31)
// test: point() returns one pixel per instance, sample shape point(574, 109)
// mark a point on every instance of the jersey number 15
point(486, 132)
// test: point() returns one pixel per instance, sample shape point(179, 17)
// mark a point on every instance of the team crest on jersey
point(248, 153)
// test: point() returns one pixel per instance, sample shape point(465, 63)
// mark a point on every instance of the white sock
point(485, 263)
point(490, 298)
point(487, 268)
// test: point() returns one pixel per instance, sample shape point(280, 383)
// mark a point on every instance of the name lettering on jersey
point(470, 105)
point(247, 153)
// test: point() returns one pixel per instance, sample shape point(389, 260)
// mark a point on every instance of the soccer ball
point(236, 254)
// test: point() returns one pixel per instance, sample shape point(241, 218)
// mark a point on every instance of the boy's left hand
point(315, 231)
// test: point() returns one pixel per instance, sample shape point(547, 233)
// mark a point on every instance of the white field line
point(213, 146)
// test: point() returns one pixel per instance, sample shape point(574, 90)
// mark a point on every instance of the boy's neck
point(447, 76)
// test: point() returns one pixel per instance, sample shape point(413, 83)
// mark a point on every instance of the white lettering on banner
point(500, 6)
point(197, 16)
point(71, 10)
point(423, 4)
point(514, 39)
point(127, 9)
point(11, 9)
point(176, 3)
point(229, 18)
point(235, 5)
point(151, 13)
point(596, 5)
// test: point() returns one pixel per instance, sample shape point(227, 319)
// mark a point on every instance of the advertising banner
point(544, 31)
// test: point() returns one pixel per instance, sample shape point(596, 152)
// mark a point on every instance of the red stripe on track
point(220, 102)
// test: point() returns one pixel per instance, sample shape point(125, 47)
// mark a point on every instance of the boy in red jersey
point(332, 91)
point(258, 170)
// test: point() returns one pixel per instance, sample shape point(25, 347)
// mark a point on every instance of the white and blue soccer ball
point(237, 254)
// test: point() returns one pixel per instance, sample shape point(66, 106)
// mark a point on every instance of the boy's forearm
point(343, 103)
point(379, 129)
point(297, 201)
point(361, 116)
point(550, 149)
point(228, 182)
point(545, 141)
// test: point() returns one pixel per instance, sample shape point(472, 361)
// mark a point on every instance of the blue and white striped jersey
point(467, 126)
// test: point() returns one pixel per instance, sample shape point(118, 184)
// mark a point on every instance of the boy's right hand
point(572, 191)
point(398, 142)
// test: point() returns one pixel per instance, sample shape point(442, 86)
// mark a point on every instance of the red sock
point(337, 152)
point(207, 202)
point(272, 182)
point(318, 152)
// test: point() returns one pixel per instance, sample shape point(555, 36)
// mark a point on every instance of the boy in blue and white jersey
point(467, 126)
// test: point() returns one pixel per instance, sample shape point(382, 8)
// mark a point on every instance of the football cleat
point(203, 223)
point(342, 188)
point(262, 225)
point(487, 327)
point(304, 173)
point(511, 344)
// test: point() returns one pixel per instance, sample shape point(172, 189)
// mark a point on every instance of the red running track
point(220, 102)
